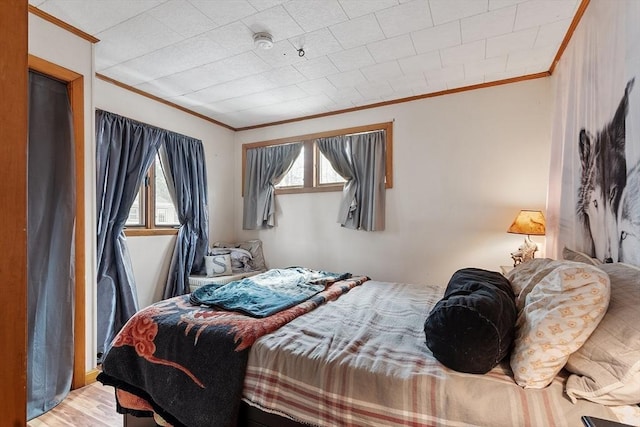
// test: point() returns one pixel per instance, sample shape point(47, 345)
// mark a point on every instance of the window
point(312, 171)
point(152, 211)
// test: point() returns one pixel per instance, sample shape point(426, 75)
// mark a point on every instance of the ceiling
point(200, 54)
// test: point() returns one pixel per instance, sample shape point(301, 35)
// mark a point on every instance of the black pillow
point(471, 328)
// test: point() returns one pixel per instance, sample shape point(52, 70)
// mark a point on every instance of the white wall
point(62, 48)
point(464, 165)
point(151, 255)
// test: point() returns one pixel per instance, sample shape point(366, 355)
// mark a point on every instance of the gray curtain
point(265, 167)
point(125, 149)
point(50, 245)
point(182, 160)
point(361, 160)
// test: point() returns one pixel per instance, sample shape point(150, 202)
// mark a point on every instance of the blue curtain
point(361, 160)
point(125, 149)
point(182, 160)
point(265, 167)
point(50, 245)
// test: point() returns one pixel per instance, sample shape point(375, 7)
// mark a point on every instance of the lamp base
point(525, 252)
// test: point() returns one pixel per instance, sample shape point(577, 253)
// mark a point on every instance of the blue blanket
point(267, 293)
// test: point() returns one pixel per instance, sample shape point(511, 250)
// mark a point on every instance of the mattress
point(362, 360)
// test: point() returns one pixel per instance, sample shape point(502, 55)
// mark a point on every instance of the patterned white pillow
point(557, 314)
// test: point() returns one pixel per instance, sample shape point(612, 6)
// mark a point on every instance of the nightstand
point(505, 269)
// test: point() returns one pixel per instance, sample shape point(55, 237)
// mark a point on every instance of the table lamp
point(529, 223)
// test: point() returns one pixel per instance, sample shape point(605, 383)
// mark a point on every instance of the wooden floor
point(90, 406)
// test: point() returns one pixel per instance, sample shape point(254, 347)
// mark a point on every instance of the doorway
point(75, 88)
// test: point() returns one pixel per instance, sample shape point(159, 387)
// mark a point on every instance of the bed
point(358, 358)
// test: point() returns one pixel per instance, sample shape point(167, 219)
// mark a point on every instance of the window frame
point(149, 228)
point(311, 153)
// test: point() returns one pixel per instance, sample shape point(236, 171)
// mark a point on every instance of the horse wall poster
point(594, 188)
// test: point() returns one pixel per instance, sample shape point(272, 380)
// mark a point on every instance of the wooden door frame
point(75, 87)
point(13, 215)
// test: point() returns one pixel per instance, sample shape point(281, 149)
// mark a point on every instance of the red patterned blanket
point(188, 362)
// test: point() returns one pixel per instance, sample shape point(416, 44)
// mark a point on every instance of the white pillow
point(606, 369)
point(558, 314)
point(217, 265)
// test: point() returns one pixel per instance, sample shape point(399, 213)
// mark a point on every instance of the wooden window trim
point(310, 169)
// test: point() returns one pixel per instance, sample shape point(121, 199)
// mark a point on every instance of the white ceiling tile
point(162, 89)
point(511, 42)
point(318, 86)
point(94, 16)
point(316, 68)
point(191, 80)
point(126, 74)
point(347, 79)
point(357, 32)
point(286, 93)
point(312, 14)
point(489, 24)
point(509, 74)
point(315, 103)
point(413, 83)
point(200, 53)
point(317, 43)
point(133, 38)
point(450, 10)
point(455, 84)
point(467, 52)
point(404, 18)
point(356, 8)
point(420, 63)
point(36, 2)
point(347, 95)
point(235, 38)
point(265, 4)
point(224, 12)
point(175, 58)
point(284, 76)
point(235, 67)
point(275, 21)
point(536, 59)
point(384, 71)
point(282, 53)
point(235, 88)
point(374, 91)
point(352, 59)
point(390, 49)
point(540, 12)
point(182, 17)
point(552, 34)
point(486, 66)
point(444, 75)
point(247, 102)
point(498, 4)
point(438, 37)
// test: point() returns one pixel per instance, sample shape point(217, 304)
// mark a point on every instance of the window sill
point(150, 231)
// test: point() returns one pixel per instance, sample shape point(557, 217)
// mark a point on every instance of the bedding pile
point(266, 293)
point(187, 363)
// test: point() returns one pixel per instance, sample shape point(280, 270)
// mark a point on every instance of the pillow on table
point(254, 261)
point(471, 328)
point(606, 369)
point(560, 303)
point(571, 255)
point(217, 265)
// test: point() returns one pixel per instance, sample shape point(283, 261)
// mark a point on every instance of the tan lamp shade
point(528, 222)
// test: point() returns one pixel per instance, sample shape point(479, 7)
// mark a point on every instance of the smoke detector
point(263, 41)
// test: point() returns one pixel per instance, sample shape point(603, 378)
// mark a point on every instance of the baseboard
point(90, 377)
